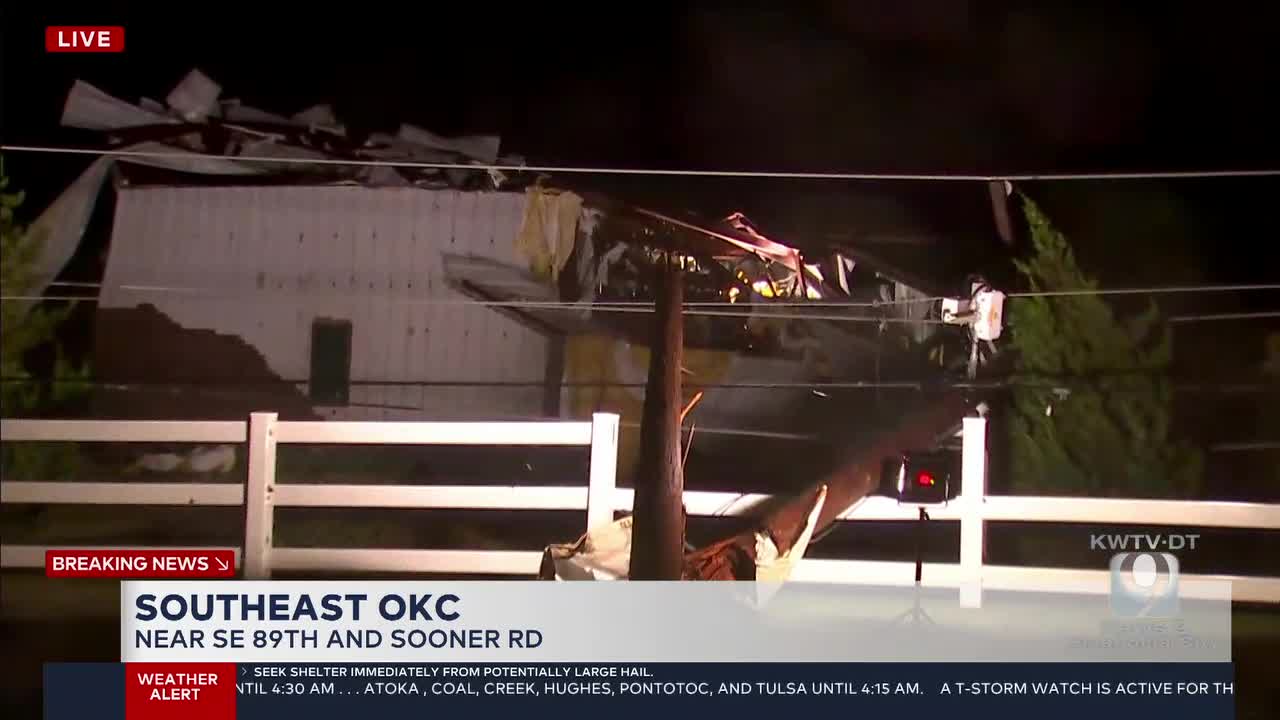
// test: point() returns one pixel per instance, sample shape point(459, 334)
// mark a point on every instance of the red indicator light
point(924, 478)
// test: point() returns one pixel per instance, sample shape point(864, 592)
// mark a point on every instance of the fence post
point(973, 490)
point(259, 496)
point(604, 469)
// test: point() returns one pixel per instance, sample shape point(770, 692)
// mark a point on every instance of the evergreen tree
point(1092, 405)
point(25, 325)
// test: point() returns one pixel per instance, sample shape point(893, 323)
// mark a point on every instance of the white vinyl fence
point(599, 498)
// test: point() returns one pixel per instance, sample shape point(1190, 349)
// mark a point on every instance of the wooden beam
point(657, 543)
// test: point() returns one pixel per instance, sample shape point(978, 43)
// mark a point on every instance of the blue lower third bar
point(1169, 691)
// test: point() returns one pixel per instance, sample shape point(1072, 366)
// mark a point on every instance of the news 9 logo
point(1144, 585)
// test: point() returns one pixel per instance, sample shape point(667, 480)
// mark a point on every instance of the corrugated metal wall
point(262, 263)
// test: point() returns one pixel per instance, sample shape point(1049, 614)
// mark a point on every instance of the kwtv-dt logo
point(1144, 585)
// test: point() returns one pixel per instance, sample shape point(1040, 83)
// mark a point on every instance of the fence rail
point(259, 494)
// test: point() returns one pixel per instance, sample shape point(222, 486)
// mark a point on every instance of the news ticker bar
point(223, 691)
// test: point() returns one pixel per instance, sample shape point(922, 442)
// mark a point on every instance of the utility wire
point(562, 169)
point(1245, 447)
point(573, 304)
point(1225, 316)
point(1153, 290)
point(646, 308)
point(623, 305)
point(1042, 382)
point(1146, 291)
point(568, 306)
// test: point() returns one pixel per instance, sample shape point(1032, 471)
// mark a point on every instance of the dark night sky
point(931, 86)
point(945, 86)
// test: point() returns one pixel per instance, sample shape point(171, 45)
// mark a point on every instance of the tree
point(1092, 405)
point(24, 326)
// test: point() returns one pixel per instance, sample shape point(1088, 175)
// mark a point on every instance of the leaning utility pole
point(856, 472)
point(657, 539)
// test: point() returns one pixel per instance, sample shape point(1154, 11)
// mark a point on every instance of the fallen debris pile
point(765, 553)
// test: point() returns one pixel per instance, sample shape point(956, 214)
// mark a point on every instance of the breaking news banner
point(243, 649)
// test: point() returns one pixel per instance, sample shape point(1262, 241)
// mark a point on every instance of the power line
point(1225, 316)
point(583, 170)
point(645, 308)
point(1146, 291)
point(630, 305)
point(1045, 382)
point(1244, 447)
point(571, 306)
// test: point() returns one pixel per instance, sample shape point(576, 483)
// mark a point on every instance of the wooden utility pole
point(657, 538)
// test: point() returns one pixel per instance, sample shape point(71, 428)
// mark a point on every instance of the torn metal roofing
point(196, 119)
point(196, 122)
point(865, 233)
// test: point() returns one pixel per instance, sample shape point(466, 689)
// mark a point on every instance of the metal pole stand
point(917, 614)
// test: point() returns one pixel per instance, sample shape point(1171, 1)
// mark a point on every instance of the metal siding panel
point(384, 318)
point(379, 300)
point(319, 250)
point(504, 232)
point(467, 207)
point(365, 263)
point(146, 262)
point(374, 320)
point(428, 234)
point(177, 235)
point(214, 229)
point(353, 249)
point(148, 266)
point(295, 287)
point(521, 359)
point(410, 293)
point(311, 240)
point(240, 299)
point(267, 313)
point(182, 235)
point(446, 331)
point(486, 350)
point(206, 266)
point(257, 267)
point(451, 318)
point(529, 348)
point(399, 224)
point(120, 251)
point(333, 257)
point(512, 215)
point(523, 344)
point(232, 303)
point(462, 322)
point(473, 348)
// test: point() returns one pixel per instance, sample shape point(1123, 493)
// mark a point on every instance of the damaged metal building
point(300, 278)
